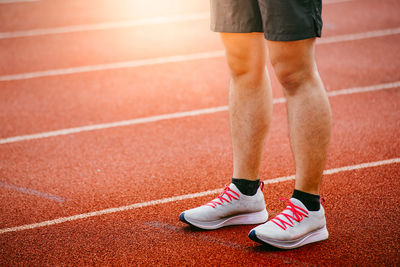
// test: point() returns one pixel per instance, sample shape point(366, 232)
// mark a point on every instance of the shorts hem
point(238, 29)
point(268, 36)
point(290, 37)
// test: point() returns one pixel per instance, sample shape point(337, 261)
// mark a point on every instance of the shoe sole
point(315, 236)
point(248, 218)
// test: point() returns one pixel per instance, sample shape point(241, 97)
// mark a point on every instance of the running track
point(114, 120)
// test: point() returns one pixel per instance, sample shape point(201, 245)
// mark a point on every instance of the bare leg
point(308, 106)
point(250, 101)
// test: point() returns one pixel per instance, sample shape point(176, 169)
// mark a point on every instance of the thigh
point(240, 16)
point(292, 52)
point(290, 20)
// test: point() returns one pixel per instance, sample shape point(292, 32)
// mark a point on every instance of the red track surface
point(116, 167)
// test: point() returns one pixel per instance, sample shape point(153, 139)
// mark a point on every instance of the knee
point(246, 67)
point(246, 56)
point(293, 75)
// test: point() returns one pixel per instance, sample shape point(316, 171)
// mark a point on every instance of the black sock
point(311, 201)
point(246, 187)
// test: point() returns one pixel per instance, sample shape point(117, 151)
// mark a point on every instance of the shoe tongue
point(289, 210)
point(298, 203)
point(234, 188)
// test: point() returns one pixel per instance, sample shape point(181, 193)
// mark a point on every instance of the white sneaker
point(231, 207)
point(293, 227)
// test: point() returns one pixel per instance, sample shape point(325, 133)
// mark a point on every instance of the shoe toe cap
point(253, 236)
point(182, 217)
point(202, 213)
point(267, 230)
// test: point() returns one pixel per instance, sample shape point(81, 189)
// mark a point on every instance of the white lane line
point(182, 197)
point(358, 36)
point(16, 1)
point(113, 25)
point(179, 58)
point(177, 115)
point(106, 25)
point(34, 192)
point(116, 65)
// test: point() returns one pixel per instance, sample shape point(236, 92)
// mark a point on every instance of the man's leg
point(303, 220)
point(250, 108)
point(250, 101)
point(308, 107)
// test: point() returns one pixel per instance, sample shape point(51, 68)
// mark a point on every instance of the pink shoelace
point(221, 198)
point(288, 219)
point(228, 193)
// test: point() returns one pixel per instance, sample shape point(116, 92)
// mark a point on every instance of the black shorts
point(279, 20)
